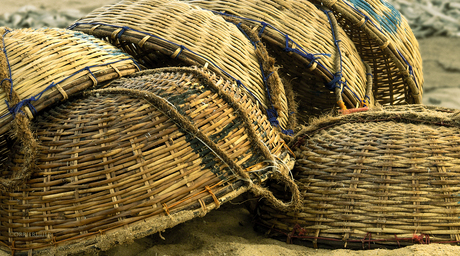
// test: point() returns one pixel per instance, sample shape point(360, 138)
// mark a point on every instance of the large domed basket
point(136, 157)
point(386, 42)
point(164, 33)
point(315, 54)
point(42, 67)
point(381, 179)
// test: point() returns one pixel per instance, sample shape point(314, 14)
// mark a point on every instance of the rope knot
point(336, 79)
point(238, 83)
point(123, 29)
point(261, 31)
point(273, 117)
point(17, 108)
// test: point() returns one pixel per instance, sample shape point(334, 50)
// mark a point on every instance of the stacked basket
point(95, 159)
point(380, 179)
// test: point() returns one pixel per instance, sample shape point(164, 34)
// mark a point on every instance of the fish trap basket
point(382, 179)
point(316, 55)
point(40, 67)
point(137, 157)
point(386, 42)
point(163, 33)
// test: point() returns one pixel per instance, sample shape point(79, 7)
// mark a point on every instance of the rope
point(162, 105)
point(338, 83)
point(262, 54)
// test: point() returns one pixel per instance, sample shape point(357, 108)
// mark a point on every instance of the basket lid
point(152, 30)
point(43, 66)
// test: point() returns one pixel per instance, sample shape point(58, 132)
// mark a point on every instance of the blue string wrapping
point(298, 50)
point(337, 77)
point(271, 113)
point(368, 19)
point(28, 102)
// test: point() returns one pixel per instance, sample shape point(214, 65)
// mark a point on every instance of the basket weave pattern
point(113, 158)
point(390, 177)
point(164, 32)
point(385, 41)
point(39, 58)
point(309, 31)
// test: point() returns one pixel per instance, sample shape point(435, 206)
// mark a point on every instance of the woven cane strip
point(39, 59)
point(387, 176)
point(309, 34)
point(184, 33)
point(385, 41)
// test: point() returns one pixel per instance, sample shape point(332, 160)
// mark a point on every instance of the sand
point(229, 230)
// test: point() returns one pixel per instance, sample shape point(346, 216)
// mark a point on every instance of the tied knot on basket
point(309, 56)
point(15, 109)
point(422, 238)
point(336, 82)
point(261, 31)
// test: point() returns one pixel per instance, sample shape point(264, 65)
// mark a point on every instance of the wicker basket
point(162, 33)
point(315, 53)
point(385, 41)
point(49, 65)
point(385, 178)
point(142, 155)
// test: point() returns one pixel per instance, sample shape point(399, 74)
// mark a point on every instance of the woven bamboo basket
point(382, 179)
point(137, 157)
point(162, 33)
point(49, 65)
point(316, 55)
point(384, 40)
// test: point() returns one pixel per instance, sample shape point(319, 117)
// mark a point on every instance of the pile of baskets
point(145, 114)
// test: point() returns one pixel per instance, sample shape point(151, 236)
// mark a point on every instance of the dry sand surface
point(229, 230)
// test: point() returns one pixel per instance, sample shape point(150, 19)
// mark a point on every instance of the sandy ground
point(229, 230)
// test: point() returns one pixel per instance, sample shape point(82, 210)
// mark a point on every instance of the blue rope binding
point(271, 113)
point(13, 110)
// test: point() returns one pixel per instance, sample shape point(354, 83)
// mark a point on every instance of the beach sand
point(229, 230)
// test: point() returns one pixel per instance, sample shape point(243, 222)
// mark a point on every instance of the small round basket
point(40, 67)
point(136, 157)
point(381, 179)
point(316, 55)
point(385, 41)
point(161, 33)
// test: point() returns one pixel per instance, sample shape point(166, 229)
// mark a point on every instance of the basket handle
point(296, 200)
